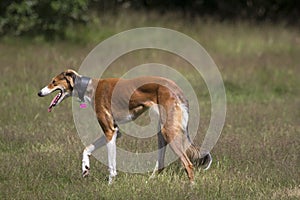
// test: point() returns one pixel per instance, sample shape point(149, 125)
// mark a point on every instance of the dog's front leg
point(112, 151)
point(88, 151)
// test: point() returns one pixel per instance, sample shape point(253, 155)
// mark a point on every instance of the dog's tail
point(194, 153)
point(199, 159)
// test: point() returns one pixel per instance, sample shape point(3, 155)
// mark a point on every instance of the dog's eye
point(54, 83)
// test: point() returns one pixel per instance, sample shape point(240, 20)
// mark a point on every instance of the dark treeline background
point(259, 10)
point(50, 17)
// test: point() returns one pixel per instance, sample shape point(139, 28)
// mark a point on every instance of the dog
point(116, 101)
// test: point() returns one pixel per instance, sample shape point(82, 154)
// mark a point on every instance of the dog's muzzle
point(40, 94)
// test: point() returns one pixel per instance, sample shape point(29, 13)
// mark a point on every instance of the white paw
point(111, 179)
point(85, 171)
point(153, 175)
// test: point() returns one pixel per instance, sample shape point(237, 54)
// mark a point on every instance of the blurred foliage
point(46, 17)
point(50, 18)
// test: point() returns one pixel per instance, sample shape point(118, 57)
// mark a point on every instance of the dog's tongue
point(53, 102)
point(49, 109)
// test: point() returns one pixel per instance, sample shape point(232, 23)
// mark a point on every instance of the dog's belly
point(122, 116)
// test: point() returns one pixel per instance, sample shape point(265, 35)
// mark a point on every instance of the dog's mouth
point(56, 100)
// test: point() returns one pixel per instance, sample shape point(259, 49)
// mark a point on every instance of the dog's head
point(63, 83)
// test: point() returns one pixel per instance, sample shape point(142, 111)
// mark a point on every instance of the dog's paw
point(153, 175)
point(86, 172)
point(111, 179)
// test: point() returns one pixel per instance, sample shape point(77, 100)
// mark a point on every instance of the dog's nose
point(40, 94)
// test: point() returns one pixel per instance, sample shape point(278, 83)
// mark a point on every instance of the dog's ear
point(70, 76)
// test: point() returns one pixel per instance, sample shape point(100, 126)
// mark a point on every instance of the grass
point(256, 157)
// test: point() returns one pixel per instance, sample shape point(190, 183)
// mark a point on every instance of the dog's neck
point(90, 91)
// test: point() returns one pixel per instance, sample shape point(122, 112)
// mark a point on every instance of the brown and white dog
point(114, 105)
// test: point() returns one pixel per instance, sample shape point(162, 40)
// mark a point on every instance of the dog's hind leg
point(161, 154)
point(100, 142)
point(178, 147)
point(174, 129)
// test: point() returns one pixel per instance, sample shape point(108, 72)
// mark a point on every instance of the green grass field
point(256, 157)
